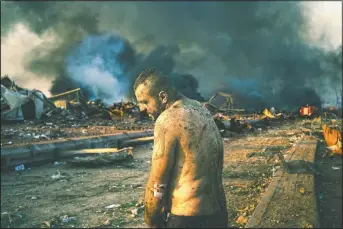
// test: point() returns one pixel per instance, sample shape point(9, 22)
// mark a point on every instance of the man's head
point(153, 91)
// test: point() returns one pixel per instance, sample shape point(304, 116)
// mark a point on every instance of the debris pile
point(69, 114)
point(243, 123)
point(18, 104)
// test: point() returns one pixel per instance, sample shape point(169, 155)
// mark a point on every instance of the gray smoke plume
point(205, 46)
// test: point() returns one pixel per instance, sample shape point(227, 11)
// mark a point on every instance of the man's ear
point(163, 97)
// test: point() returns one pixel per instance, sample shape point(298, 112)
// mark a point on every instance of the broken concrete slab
point(87, 157)
point(97, 151)
point(289, 191)
point(49, 151)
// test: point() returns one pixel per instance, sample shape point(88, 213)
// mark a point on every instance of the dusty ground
point(31, 198)
point(42, 130)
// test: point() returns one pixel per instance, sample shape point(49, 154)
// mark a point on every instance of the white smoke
point(324, 19)
point(100, 82)
point(95, 65)
point(14, 46)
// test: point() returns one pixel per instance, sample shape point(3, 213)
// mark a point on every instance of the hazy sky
point(203, 33)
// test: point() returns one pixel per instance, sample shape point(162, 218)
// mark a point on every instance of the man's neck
point(178, 97)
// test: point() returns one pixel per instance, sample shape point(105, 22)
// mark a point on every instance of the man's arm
point(162, 163)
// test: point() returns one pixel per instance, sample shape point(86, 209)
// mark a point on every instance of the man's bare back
point(187, 160)
point(195, 186)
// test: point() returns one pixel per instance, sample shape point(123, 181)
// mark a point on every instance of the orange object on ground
point(333, 139)
point(308, 110)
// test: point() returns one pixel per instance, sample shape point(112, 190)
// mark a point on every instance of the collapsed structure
point(18, 104)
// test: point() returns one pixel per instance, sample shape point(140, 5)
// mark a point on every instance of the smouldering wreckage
point(18, 104)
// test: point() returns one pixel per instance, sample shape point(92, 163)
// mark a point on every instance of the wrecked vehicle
point(70, 100)
point(75, 102)
point(18, 104)
point(221, 103)
point(308, 110)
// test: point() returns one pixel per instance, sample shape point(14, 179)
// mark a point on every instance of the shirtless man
point(187, 159)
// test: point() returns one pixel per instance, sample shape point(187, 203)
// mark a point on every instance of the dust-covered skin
point(187, 158)
point(196, 182)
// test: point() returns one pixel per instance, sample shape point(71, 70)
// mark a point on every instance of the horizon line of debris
point(19, 104)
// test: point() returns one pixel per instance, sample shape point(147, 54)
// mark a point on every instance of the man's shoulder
point(168, 116)
point(180, 112)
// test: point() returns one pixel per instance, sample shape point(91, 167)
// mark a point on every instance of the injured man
point(184, 189)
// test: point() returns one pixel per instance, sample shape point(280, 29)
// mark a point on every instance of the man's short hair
point(155, 80)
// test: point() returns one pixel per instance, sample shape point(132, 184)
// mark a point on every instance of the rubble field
point(64, 195)
point(46, 130)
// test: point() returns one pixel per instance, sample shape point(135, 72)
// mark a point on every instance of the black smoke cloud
point(203, 44)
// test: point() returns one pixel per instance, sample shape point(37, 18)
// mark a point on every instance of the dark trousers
point(219, 220)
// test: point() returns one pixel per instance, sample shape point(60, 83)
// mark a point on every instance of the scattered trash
point(19, 167)
point(43, 136)
point(302, 190)
point(31, 197)
point(134, 211)
point(66, 219)
point(268, 113)
point(57, 176)
point(273, 170)
point(244, 209)
point(113, 206)
point(241, 220)
point(335, 168)
point(47, 224)
point(140, 203)
point(107, 222)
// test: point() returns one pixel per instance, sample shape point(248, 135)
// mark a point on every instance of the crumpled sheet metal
point(13, 99)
